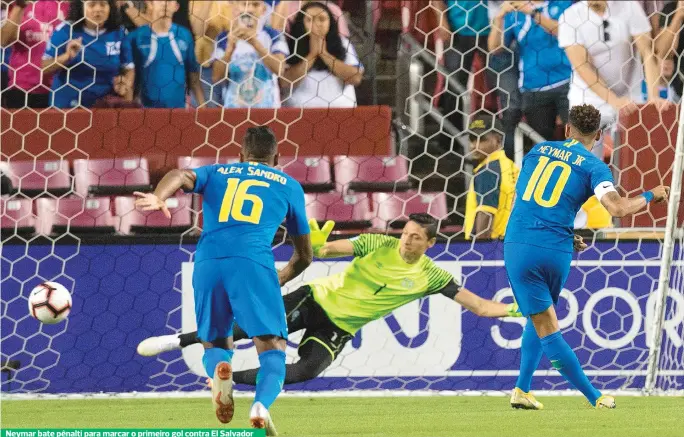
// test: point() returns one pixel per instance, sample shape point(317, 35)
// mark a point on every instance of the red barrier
point(163, 135)
point(645, 154)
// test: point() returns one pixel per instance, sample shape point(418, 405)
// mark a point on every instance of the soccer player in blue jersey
point(557, 177)
point(235, 276)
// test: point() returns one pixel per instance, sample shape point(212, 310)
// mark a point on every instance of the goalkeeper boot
point(605, 401)
point(222, 392)
point(525, 401)
point(260, 418)
point(152, 346)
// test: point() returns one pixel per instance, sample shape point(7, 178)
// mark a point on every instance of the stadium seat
point(134, 221)
point(371, 173)
point(74, 215)
point(391, 210)
point(32, 178)
point(313, 173)
point(17, 217)
point(350, 211)
point(105, 177)
point(190, 162)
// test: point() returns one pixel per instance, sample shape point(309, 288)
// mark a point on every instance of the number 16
point(235, 197)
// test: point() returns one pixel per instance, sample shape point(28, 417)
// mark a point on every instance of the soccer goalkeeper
point(386, 273)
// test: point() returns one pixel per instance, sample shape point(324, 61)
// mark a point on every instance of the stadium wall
point(124, 293)
point(162, 135)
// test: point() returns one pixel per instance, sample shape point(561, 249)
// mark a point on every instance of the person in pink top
point(28, 27)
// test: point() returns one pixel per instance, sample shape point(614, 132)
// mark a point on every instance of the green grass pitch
point(369, 417)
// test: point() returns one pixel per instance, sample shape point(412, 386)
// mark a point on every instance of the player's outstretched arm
point(167, 187)
point(324, 249)
point(485, 307)
point(618, 206)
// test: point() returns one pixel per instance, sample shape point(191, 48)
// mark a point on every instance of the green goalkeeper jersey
point(377, 282)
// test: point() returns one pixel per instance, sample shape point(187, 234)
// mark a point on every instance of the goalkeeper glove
point(319, 236)
point(513, 310)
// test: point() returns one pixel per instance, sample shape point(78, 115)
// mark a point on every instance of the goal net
point(68, 214)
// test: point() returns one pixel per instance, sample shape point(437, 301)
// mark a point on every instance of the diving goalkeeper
point(385, 274)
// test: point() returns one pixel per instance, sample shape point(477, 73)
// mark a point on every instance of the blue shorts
point(240, 290)
point(536, 274)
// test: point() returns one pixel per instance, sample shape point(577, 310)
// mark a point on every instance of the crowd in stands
point(176, 54)
point(539, 57)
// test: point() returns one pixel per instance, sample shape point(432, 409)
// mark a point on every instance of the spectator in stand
point(165, 62)
point(503, 71)
point(324, 67)
point(291, 8)
point(250, 58)
point(492, 188)
point(544, 69)
point(209, 20)
point(670, 42)
point(600, 39)
point(464, 25)
point(29, 25)
point(88, 56)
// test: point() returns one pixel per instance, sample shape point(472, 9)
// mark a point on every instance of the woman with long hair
point(88, 56)
point(324, 67)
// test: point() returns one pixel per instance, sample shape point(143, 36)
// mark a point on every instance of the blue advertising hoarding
point(125, 293)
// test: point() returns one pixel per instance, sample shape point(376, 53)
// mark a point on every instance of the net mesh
point(69, 216)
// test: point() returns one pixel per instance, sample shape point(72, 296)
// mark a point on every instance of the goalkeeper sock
point(530, 354)
point(565, 361)
point(188, 339)
point(270, 378)
point(213, 356)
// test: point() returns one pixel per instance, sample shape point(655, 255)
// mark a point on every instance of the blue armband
point(648, 196)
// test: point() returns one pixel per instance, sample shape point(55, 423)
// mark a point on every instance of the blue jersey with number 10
point(243, 206)
point(556, 178)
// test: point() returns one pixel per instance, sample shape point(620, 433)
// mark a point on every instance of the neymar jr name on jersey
point(561, 154)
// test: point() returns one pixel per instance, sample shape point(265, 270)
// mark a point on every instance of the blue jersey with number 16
point(243, 206)
point(556, 178)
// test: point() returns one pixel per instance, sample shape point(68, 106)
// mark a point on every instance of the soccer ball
point(49, 303)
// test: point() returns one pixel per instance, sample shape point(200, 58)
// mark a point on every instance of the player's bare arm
point(485, 307)
point(484, 221)
point(167, 187)
point(578, 243)
point(618, 206)
point(300, 260)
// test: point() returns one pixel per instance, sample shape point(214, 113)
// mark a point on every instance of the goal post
point(669, 276)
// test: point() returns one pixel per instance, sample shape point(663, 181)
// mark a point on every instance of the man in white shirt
point(599, 38)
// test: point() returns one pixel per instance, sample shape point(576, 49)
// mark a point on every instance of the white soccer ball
point(49, 303)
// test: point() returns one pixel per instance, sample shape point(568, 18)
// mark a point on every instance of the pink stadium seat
point(111, 176)
point(190, 162)
point(350, 211)
point(32, 178)
point(371, 173)
point(134, 221)
point(313, 173)
point(74, 215)
point(17, 217)
point(391, 210)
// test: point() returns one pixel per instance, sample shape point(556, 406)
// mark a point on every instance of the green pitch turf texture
point(368, 417)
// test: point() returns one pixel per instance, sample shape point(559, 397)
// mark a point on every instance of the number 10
point(540, 179)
